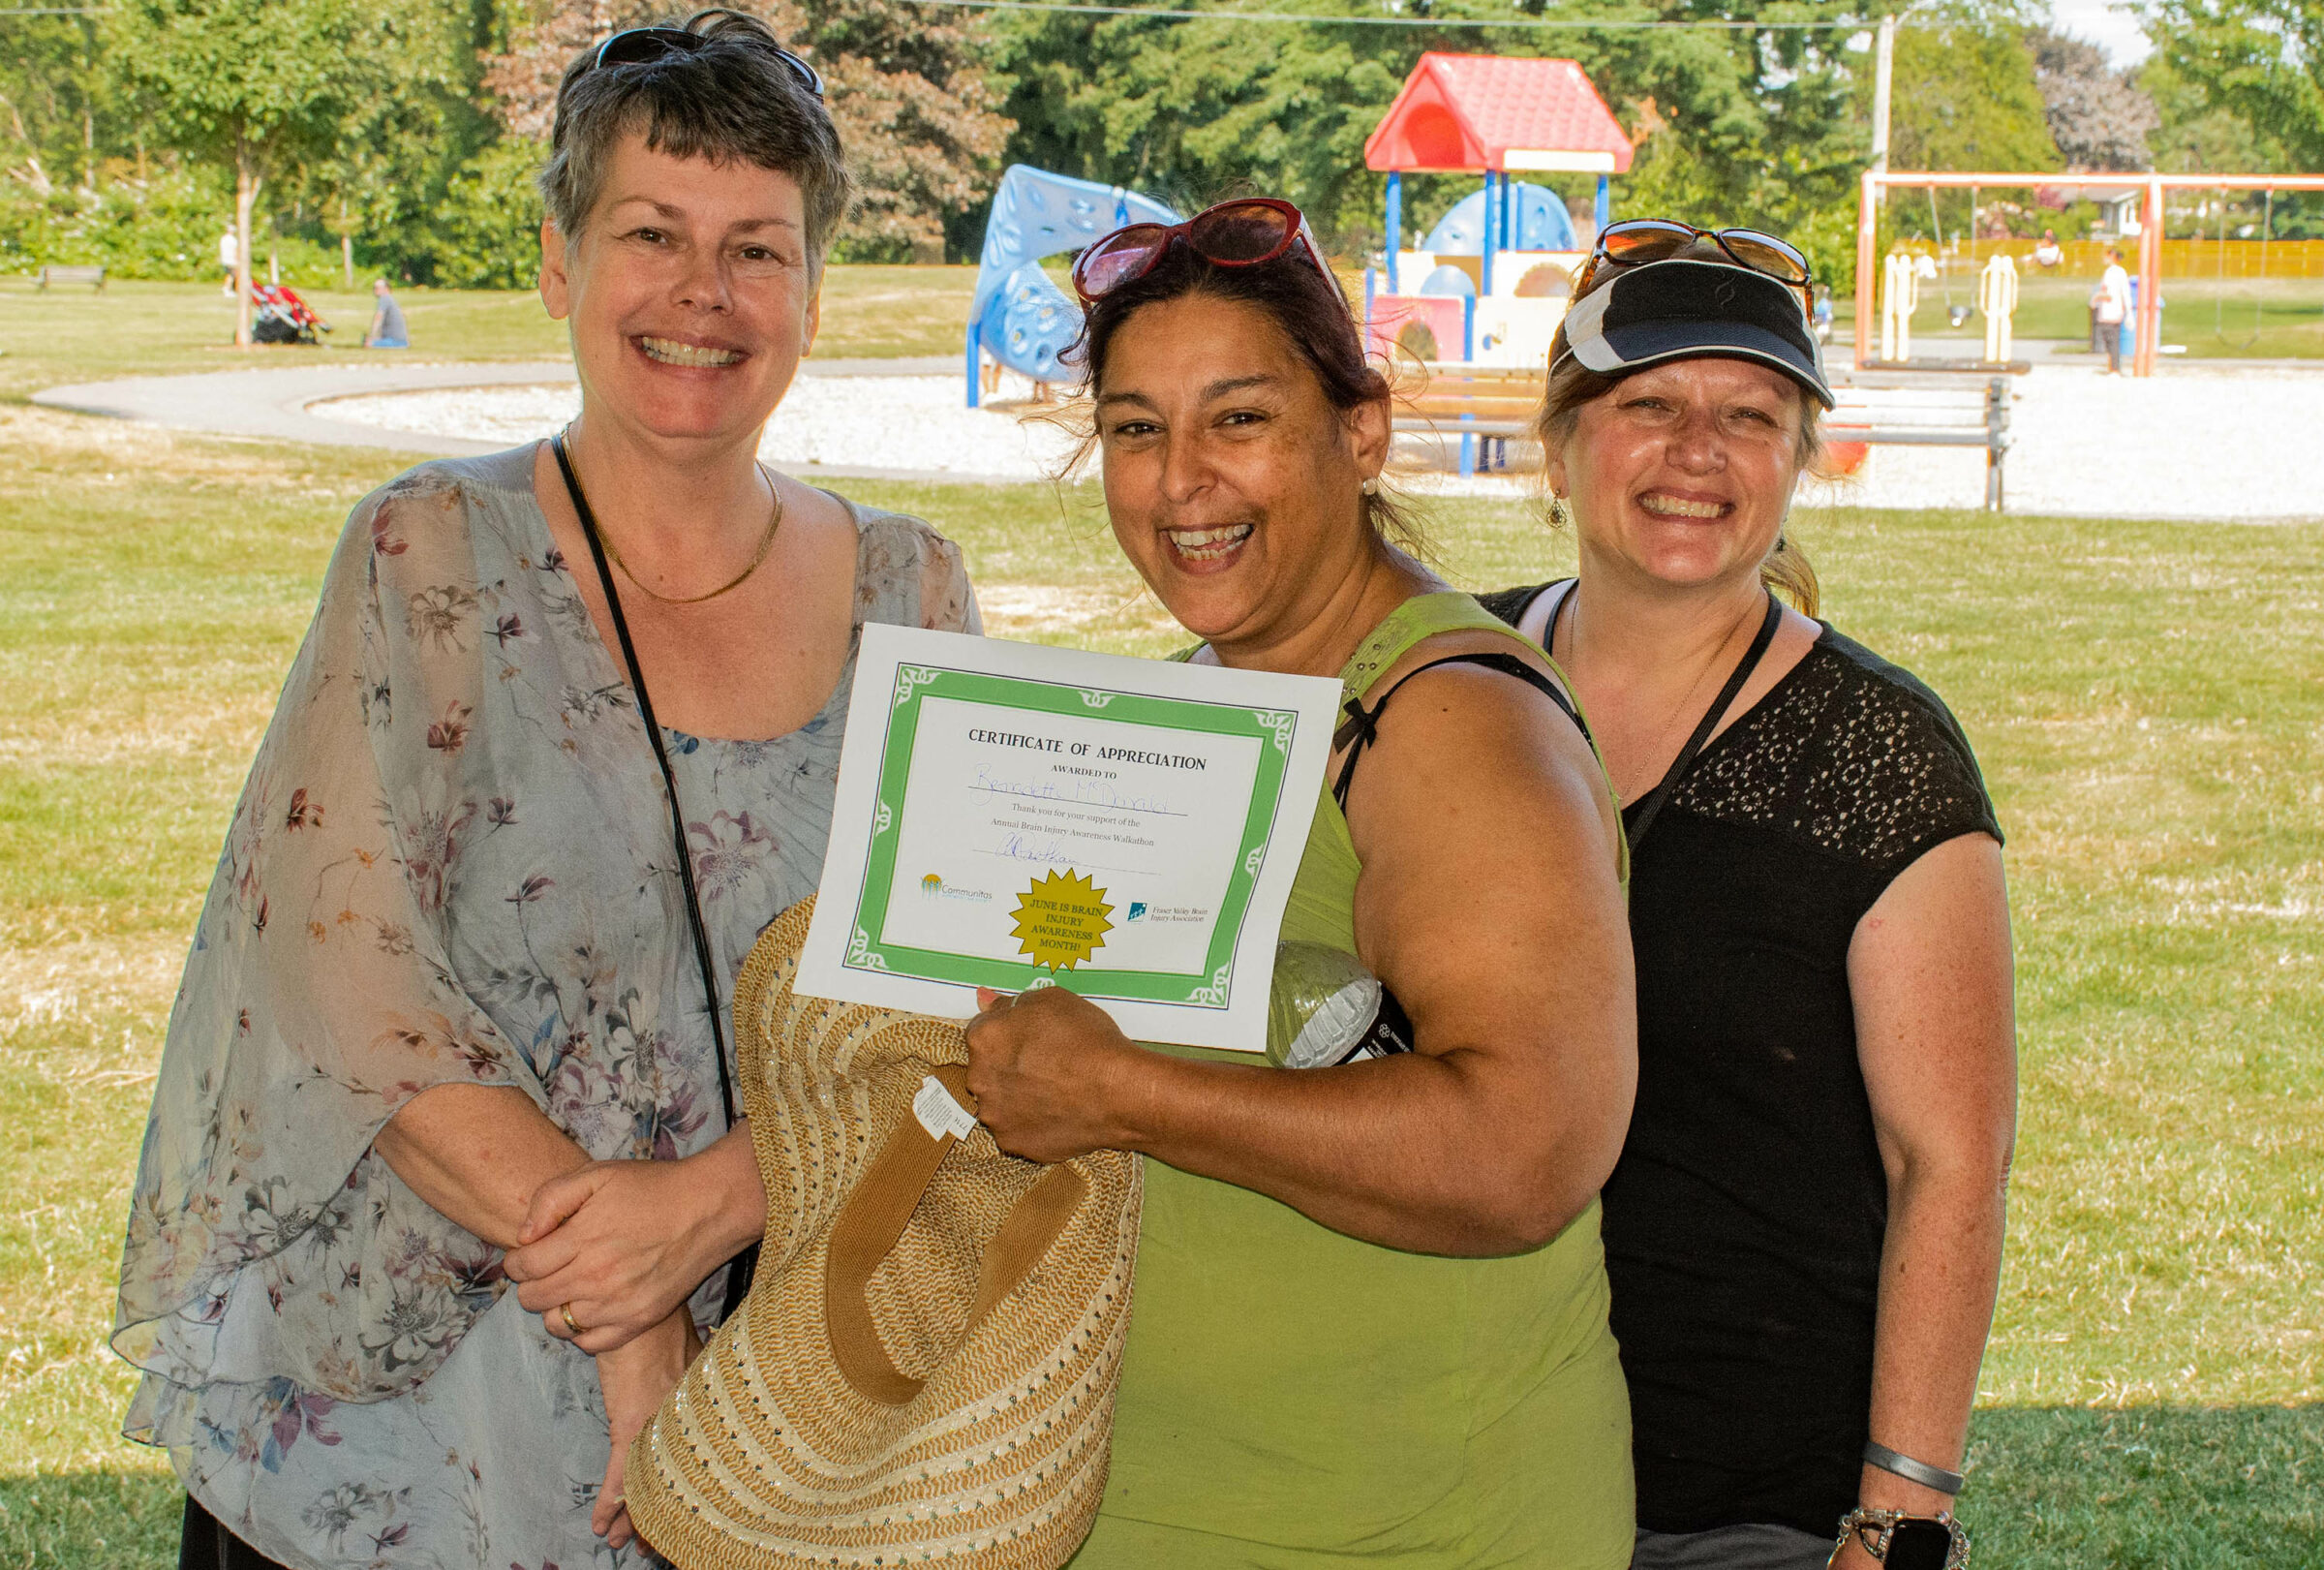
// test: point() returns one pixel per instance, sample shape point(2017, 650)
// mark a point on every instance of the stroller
point(281, 317)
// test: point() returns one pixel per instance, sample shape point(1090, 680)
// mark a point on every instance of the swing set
point(2259, 296)
point(2148, 191)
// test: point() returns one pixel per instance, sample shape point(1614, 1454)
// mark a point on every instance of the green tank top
point(1292, 1398)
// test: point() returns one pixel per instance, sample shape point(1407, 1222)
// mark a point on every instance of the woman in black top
point(1804, 1232)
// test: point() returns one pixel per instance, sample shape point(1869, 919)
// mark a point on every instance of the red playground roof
point(1460, 113)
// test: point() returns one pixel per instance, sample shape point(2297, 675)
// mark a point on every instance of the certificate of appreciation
point(1011, 815)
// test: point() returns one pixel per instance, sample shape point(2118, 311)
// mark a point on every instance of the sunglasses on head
point(640, 46)
point(1635, 241)
point(1240, 233)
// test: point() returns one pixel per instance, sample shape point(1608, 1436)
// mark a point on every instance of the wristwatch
point(1906, 1542)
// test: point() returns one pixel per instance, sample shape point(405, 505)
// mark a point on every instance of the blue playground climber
point(1017, 314)
point(1541, 224)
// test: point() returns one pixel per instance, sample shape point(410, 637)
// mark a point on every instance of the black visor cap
point(1694, 310)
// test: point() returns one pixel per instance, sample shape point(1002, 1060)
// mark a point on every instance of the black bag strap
point(1361, 727)
point(744, 1264)
point(1650, 805)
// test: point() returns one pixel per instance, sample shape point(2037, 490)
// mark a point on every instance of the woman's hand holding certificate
point(1015, 817)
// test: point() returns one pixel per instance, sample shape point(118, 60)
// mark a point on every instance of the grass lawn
point(62, 334)
point(2146, 699)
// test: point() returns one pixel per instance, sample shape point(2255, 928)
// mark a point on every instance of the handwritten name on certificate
point(1011, 815)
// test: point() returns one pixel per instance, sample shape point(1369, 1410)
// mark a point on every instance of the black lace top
point(1743, 1225)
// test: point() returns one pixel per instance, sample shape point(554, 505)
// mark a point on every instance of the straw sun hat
point(923, 1370)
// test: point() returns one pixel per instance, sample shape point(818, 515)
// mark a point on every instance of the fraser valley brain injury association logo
point(1061, 919)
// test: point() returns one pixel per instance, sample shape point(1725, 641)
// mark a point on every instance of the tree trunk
point(246, 196)
point(347, 258)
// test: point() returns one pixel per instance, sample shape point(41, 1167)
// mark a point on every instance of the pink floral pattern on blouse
point(452, 863)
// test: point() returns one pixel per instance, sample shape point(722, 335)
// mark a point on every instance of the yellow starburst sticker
point(1061, 919)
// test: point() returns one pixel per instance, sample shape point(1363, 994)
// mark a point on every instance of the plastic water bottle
point(1326, 1009)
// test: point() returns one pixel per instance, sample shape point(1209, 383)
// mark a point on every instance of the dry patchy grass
point(2145, 697)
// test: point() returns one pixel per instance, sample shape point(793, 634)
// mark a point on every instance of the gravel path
point(2210, 441)
point(854, 425)
point(2196, 441)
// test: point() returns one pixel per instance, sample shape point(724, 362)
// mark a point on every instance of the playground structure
point(1489, 284)
point(1996, 302)
point(2147, 233)
point(1017, 316)
point(1479, 300)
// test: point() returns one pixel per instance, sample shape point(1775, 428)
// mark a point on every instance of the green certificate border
point(1206, 988)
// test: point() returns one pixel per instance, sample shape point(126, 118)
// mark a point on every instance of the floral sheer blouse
point(452, 863)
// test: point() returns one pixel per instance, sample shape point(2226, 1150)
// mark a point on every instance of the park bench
point(72, 275)
point(1900, 412)
point(1492, 405)
point(1473, 403)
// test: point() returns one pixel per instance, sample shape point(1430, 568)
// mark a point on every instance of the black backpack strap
point(1361, 727)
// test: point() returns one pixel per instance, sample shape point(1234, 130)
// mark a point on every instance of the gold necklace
point(766, 544)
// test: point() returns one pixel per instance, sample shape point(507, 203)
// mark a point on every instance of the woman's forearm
point(1409, 1153)
point(1939, 1271)
point(1437, 1154)
point(477, 1153)
point(735, 1216)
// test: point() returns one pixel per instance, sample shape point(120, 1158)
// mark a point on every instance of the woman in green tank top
point(1370, 1323)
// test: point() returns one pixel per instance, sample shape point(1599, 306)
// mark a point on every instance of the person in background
point(2048, 253)
point(444, 1174)
point(229, 248)
point(387, 329)
point(2110, 309)
point(1804, 1231)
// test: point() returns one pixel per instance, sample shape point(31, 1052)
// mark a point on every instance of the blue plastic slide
point(1017, 314)
point(1542, 224)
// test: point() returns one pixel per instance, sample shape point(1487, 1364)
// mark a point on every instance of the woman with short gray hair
point(445, 1175)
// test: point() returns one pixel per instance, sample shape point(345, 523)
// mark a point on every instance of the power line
point(1441, 23)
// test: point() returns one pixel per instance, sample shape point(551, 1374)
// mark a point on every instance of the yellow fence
point(2181, 258)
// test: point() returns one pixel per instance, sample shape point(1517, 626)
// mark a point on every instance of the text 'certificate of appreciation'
point(1011, 815)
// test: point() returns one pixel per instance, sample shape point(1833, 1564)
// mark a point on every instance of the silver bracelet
point(1904, 1466)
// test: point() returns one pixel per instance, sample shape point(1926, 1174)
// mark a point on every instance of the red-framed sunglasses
point(1241, 234)
point(1633, 242)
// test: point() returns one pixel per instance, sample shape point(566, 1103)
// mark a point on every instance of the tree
point(2261, 60)
point(906, 91)
point(258, 86)
point(2097, 115)
point(920, 123)
point(1739, 126)
point(2195, 134)
point(398, 155)
point(522, 78)
point(52, 101)
point(1966, 96)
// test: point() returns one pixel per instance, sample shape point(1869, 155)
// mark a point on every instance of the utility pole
point(1883, 74)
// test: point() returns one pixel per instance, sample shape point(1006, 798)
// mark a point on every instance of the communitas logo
point(933, 887)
